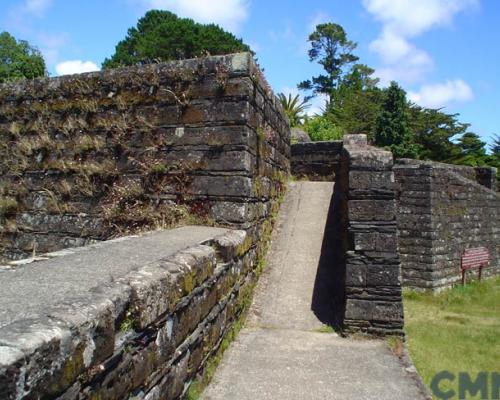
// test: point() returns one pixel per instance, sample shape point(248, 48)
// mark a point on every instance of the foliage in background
point(357, 105)
point(495, 147)
point(19, 60)
point(322, 128)
point(357, 102)
point(294, 108)
point(434, 131)
point(161, 35)
point(392, 128)
point(333, 51)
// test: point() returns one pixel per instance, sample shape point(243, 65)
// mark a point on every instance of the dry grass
point(8, 205)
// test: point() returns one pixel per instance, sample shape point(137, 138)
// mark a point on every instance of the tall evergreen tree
point(161, 35)
point(434, 131)
point(333, 51)
point(495, 147)
point(357, 101)
point(392, 127)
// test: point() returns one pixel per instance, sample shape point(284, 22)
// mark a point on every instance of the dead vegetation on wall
point(87, 157)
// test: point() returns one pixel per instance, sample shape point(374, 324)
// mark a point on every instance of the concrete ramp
point(284, 351)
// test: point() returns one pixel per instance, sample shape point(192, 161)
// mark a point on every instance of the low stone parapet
point(316, 161)
point(138, 316)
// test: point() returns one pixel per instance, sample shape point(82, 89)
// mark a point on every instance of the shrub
point(320, 128)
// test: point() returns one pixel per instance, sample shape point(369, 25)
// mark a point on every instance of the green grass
point(456, 330)
point(325, 329)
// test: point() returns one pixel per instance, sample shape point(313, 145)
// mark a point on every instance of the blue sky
point(445, 53)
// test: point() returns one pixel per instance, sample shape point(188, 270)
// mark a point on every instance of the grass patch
point(325, 329)
point(456, 330)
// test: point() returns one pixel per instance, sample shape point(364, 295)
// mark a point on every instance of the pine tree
point(392, 127)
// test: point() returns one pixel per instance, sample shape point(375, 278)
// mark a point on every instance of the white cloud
point(229, 14)
point(36, 7)
point(441, 94)
point(75, 67)
point(318, 105)
point(393, 48)
point(403, 20)
point(411, 18)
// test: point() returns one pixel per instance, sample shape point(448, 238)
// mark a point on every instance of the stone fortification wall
point(365, 195)
point(91, 156)
point(142, 326)
point(316, 161)
point(442, 211)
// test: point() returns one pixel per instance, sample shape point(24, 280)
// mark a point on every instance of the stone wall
point(92, 156)
point(316, 161)
point(365, 193)
point(442, 211)
point(142, 334)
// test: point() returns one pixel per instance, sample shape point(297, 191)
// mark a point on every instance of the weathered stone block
point(371, 180)
point(365, 241)
point(383, 275)
point(372, 210)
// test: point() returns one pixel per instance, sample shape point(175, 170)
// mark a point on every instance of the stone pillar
point(373, 270)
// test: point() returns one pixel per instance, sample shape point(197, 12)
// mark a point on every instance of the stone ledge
point(46, 350)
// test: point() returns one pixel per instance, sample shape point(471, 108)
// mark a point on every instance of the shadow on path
point(328, 299)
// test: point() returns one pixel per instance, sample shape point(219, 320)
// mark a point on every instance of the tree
point(357, 101)
point(333, 51)
point(392, 127)
point(473, 151)
point(434, 131)
point(322, 128)
point(18, 59)
point(293, 107)
point(161, 35)
point(495, 146)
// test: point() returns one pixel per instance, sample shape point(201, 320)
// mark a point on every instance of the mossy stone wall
point(92, 156)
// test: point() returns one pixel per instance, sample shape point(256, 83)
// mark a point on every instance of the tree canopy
point(333, 51)
point(161, 35)
point(356, 104)
point(392, 127)
point(19, 60)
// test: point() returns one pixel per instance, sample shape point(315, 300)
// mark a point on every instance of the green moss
point(243, 303)
point(456, 211)
point(158, 168)
point(8, 205)
point(189, 282)
point(261, 133)
point(245, 246)
point(73, 367)
point(258, 187)
point(198, 385)
point(127, 323)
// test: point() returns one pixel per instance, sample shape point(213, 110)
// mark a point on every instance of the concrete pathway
point(282, 353)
